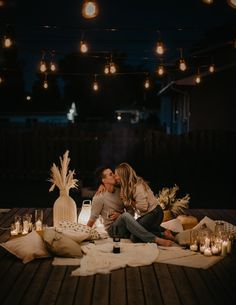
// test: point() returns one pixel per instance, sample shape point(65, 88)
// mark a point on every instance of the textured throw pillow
point(67, 225)
point(174, 225)
point(59, 244)
point(27, 247)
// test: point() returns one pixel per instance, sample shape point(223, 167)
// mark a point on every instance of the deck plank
point(38, 282)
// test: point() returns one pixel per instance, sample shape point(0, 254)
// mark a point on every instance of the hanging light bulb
point(45, 84)
point(160, 48)
point(107, 69)
point(52, 63)
point(89, 9)
point(208, 1)
point(232, 3)
point(83, 47)
point(146, 83)
point(42, 66)
point(28, 98)
point(112, 68)
point(95, 83)
point(211, 68)
point(2, 3)
point(52, 66)
point(198, 77)
point(7, 42)
point(182, 65)
point(235, 43)
point(160, 70)
point(1, 80)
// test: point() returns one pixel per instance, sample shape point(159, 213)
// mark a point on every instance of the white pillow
point(67, 225)
point(27, 247)
point(174, 225)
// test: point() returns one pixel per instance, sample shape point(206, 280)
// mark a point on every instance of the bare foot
point(168, 235)
point(163, 242)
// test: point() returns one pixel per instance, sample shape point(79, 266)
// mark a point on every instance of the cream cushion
point(60, 244)
point(174, 225)
point(67, 225)
point(27, 247)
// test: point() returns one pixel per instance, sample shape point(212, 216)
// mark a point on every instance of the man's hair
point(99, 174)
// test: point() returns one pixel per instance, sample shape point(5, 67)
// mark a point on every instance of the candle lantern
point(194, 240)
point(39, 220)
point(85, 212)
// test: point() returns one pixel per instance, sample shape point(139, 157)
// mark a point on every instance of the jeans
point(152, 220)
point(127, 227)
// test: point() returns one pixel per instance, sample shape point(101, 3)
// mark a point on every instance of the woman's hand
point(100, 189)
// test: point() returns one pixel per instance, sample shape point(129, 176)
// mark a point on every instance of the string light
point(53, 67)
point(95, 83)
point(1, 80)
point(83, 47)
point(112, 68)
point(208, 1)
point(160, 48)
point(182, 63)
point(211, 68)
point(7, 42)
point(89, 9)
point(160, 70)
point(147, 83)
point(45, 83)
point(28, 98)
point(198, 77)
point(107, 69)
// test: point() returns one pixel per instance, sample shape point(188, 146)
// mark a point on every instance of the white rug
point(100, 259)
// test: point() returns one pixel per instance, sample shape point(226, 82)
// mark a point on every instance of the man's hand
point(114, 215)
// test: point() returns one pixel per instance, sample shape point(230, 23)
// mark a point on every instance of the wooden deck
point(38, 282)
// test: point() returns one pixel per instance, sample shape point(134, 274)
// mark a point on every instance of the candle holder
point(39, 220)
point(194, 240)
point(27, 223)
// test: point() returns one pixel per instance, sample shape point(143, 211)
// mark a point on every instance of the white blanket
point(100, 259)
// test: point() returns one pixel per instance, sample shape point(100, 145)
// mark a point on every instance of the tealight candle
point(193, 247)
point(214, 250)
point(17, 227)
point(207, 251)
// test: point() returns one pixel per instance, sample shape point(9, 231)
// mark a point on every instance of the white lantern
point(85, 212)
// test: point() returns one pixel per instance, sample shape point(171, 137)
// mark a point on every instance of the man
point(117, 221)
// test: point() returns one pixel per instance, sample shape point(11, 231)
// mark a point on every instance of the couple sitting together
point(120, 196)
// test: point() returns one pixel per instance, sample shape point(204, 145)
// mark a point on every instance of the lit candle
point(224, 248)
point(38, 225)
point(207, 242)
point(17, 227)
point(25, 227)
point(214, 250)
point(202, 248)
point(193, 247)
point(207, 251)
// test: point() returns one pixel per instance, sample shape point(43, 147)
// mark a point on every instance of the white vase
point(64, 208)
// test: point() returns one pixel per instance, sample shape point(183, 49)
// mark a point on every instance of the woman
point(136, 193)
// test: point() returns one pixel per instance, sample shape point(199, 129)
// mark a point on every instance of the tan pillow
point(60, 244)
point(27, 247)
point(67, 225)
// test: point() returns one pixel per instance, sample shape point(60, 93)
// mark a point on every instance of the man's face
point(109, 177)
point(117, 178)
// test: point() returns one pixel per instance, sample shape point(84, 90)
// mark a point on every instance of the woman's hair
point(128, 180)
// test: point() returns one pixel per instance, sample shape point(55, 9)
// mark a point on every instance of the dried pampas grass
point(167, 199)
point(61, 177)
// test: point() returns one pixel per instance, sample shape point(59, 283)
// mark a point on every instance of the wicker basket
point(167, 215)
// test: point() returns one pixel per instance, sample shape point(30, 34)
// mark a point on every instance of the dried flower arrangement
point(61, 177)
point(168, 201)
